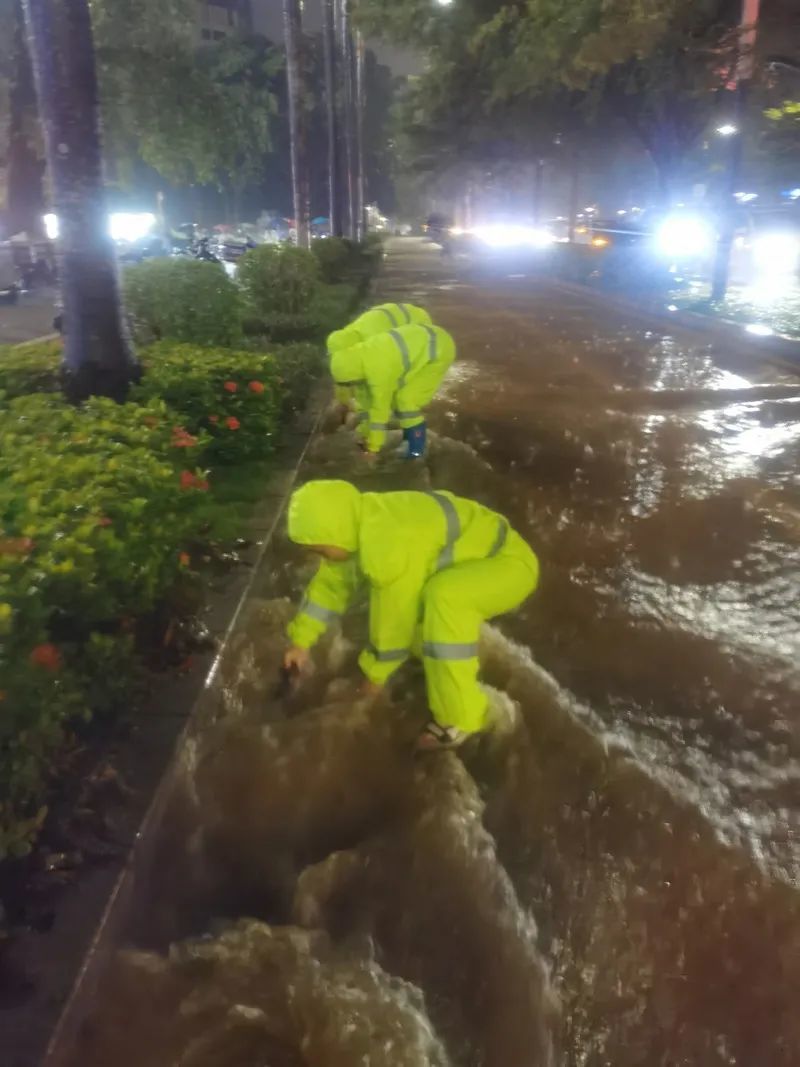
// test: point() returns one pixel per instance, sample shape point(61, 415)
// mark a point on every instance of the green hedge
point(183, 300)
point(278, 280)
point(29, 368)
point(335, 258)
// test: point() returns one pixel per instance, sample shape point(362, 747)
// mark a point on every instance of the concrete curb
point(117, 908)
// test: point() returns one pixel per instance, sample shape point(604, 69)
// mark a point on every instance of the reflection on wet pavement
point(610, 877)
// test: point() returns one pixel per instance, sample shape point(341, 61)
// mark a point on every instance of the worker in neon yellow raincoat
point(393, 376)
point(378, 319)
point(437, 566)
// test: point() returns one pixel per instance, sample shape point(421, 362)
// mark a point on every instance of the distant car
point(9, 276)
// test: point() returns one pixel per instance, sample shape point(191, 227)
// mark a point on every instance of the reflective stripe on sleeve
point(379, 426)
point(316, 611)
point(404, 354)
point(450, 650)
point(408, 414)
point(406, 313)
point(388, 655)
point(389, 316)
point(433, 344)
point(500, 540)
point(453, 529)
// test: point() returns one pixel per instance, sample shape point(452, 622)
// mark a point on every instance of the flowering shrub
point(278, 280)
point(233, 398)
point(84, 542)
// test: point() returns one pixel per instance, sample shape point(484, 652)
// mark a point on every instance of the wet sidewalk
point(608, 878)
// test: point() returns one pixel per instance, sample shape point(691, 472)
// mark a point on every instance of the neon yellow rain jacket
point(402, 542)
point(394, 375)
point(375, 320)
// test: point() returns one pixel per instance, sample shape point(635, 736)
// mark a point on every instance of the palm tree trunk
point(331, 115)
point(293, 31)
point(349, 97)
point(98, 358)
point(360, 190)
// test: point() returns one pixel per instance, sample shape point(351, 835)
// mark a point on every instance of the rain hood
point(325, 513)
point(347, 365)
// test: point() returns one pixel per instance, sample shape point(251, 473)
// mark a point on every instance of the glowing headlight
point(124, 226)
point(50, 227)
point(681, 236)
point(777, 253)
point(513, 236)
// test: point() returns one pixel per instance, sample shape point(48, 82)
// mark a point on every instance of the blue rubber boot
point(416, 438)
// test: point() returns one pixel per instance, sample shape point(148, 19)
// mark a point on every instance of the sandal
point(436, 738)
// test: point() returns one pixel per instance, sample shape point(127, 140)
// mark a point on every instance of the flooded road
point(611, 876)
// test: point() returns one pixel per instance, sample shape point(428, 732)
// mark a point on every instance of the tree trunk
point(98, 358)
point(349, 96)
point(293, 31)
point(331, 116)
point(360, 205)
point(25, 168)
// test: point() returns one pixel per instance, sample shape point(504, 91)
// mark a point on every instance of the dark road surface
point(610, 879)
point(29, 318)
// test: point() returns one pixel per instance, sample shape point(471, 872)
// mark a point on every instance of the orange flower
point(256, 387)
point(230, 387)
point(104, 521)
point(46, 656)
point(232, 423)
point(201, 484)
point(187, 480)
point(183, 559)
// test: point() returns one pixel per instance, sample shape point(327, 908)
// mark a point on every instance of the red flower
point(104, 521)
point(256, 387)
point(181, 438)
point(230, 387)
point(213, 418)
point(191, 481)
point(46, 656)
point(15, 546)
point(183, 559)
point(232, 423)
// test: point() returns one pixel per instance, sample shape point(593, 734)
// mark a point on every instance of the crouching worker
point(394, 376)
point(378, 319)
point(436, 566)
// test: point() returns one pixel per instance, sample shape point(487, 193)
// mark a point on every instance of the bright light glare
point(727, 129)
point(759, 329)
point(513, 236)
point(122, 226)
point(745, 198)
point(777, 253)
point(127, 226)
point(682, 236)
point(444, 3)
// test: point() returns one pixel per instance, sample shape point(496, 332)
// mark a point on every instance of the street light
point(444, 3)
point(727, 130)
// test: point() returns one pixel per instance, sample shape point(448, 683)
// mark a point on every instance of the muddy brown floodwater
point(611, 876)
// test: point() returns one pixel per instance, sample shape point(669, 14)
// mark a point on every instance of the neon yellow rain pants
point(437, 566)
point(376, 320)
point(394, 375)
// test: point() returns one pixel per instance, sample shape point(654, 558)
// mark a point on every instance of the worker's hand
point(296, 658)
point(371, 690)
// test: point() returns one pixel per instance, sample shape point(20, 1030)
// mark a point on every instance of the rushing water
point(611, 876)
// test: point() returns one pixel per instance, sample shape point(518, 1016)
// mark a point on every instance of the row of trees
point(510, 83)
